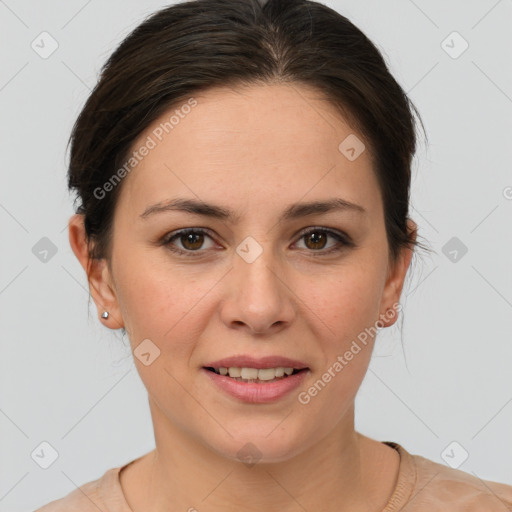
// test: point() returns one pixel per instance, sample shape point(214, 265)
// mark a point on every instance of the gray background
point(67, 380)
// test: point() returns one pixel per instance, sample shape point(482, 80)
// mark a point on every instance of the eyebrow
point(294, 211)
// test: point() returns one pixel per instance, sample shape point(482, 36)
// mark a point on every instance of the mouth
point(263, 382)
point(256, 375)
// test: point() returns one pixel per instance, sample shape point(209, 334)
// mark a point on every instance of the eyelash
point(342, 238)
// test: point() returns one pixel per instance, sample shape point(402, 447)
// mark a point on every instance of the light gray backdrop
point(68, 381)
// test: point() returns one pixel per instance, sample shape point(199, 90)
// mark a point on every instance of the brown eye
point(316, 240)
point(191, 240)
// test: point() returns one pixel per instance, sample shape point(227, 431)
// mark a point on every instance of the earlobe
point(98, 274)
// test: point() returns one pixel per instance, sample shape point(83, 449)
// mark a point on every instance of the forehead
point(238, 143)
point(276, 119)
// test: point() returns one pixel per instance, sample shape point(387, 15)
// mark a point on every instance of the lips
point(256, 379)
point(257, 392)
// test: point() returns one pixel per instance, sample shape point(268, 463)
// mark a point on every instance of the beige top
point(422, 486)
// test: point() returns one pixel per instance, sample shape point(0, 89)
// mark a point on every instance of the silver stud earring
point(104, 314)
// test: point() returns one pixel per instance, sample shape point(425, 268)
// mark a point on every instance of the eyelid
point(330, 231)
point(340, 236)
point(169, 237)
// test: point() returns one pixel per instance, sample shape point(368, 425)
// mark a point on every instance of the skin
point(254, 150)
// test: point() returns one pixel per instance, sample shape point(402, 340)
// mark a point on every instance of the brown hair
point(197, 44)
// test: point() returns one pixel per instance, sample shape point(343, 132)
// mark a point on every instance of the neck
point(184, 474)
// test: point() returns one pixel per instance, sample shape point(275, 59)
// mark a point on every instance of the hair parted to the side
point(194, 45)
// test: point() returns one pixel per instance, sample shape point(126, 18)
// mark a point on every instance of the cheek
point(163, 305)
point(345, 302)
point(149, 303)
point(344, 311)
point(162, 302)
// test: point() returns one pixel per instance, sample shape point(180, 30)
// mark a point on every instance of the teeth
point(247, 373)
point(254, 373)
point(234, 372)
point(265, 374)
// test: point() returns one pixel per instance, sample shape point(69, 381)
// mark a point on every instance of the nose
point(258, 298)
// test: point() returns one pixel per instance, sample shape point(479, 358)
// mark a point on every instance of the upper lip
point(246, 361)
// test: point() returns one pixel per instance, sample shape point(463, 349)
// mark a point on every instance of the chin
point(259, 442)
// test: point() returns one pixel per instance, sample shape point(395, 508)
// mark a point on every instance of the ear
point(395, 281)
point(98, 274)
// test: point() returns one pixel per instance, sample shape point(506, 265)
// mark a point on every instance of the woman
point(243, 171)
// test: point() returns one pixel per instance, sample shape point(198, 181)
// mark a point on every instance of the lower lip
point(255, 392)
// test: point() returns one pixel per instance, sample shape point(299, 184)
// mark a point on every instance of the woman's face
point(253, 283)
